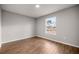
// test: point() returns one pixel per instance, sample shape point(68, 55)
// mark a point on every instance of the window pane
point(51, 25)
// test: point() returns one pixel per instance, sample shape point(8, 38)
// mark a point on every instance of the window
point(50, 24)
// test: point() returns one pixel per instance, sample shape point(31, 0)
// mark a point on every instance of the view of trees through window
point(51, 25)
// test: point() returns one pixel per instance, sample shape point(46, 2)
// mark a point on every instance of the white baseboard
point(45, 38)
point(16, 39)
point(59, 41)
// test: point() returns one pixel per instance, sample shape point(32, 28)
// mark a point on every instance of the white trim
point(58, 41)
point(16, 39)
point(45, 38)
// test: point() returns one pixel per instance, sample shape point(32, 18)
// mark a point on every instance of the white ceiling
point(31, 11)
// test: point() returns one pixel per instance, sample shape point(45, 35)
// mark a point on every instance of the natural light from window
point(50, 24)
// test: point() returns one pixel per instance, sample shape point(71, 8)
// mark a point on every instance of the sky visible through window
point(51, 25)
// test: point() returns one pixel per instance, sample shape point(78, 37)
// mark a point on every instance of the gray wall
point(15, 27)
point(0, 27)
point(67, 26)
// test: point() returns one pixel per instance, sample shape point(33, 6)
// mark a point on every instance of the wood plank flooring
point(37, 45)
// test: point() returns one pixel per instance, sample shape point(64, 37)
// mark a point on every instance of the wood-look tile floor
point(37, 45)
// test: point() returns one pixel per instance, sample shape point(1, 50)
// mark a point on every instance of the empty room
point(39, 28)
